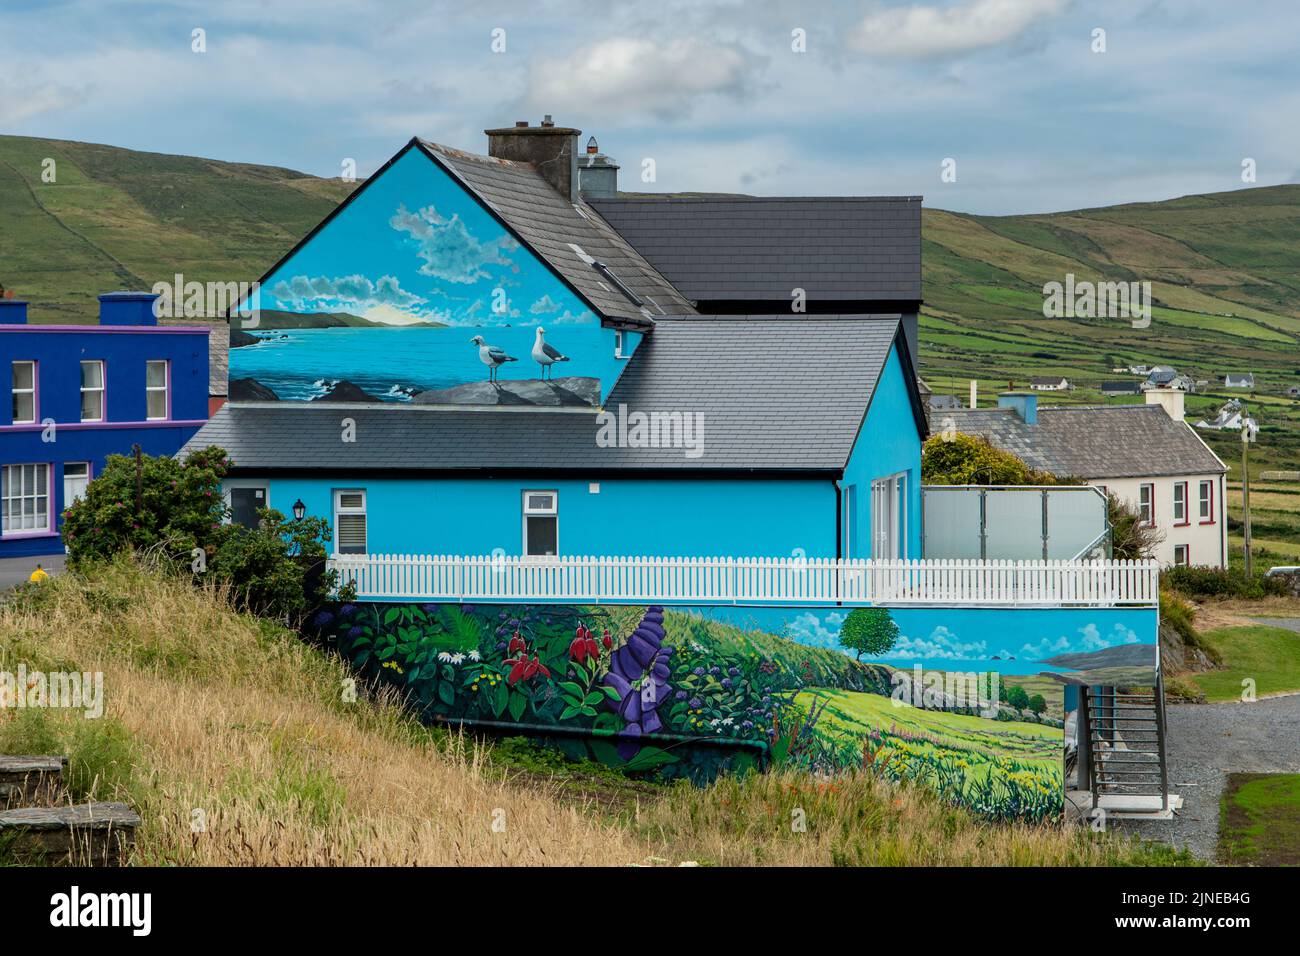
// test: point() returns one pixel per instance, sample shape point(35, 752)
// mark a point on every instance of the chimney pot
point(521, 124)
point(547, 121)
point(592, 147)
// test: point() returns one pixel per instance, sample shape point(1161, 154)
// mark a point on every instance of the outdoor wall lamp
point(299, 510)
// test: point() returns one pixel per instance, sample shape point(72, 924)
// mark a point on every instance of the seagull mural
point(545, 355)
point(491, 356)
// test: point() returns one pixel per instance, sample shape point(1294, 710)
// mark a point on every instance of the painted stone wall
point(400, 298)
point(968, 701)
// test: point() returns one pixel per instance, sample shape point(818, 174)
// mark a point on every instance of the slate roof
point(218, 352)
point(759, 248)
point(549, 223)
point(1094, 442)
point(777, 394)
point(1122, 388)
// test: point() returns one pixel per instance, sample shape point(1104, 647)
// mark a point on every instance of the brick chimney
point(552, 149)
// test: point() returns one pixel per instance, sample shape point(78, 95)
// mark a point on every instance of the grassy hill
point(1224, 268)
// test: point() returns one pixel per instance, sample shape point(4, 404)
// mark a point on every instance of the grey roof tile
point(1090, 441)
point(855, 248)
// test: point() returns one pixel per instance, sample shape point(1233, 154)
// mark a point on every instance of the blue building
point(75, 394)
point(471, 356)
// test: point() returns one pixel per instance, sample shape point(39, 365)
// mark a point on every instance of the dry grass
point(233, 739)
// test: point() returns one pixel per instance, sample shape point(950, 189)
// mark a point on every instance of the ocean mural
point(967, 701)
point(416, 293)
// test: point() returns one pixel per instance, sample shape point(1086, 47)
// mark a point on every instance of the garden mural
point(415, 293)
point(968, 701)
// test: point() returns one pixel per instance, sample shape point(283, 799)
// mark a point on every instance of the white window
point(888, 518)
point(541, 523)
point(1146, 503)
point(76, 476)
point(156, 381)
point(92, 391)
point(25, 499)
point(1207, 502)
point(350, 521)
point(1182, 554)
point(1180, 502)
point(24, 392)
point(618, 344)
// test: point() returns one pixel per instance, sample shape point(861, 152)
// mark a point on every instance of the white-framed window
point(889, 518)
point(541, 523)
point(618, 344)
point(1147, 503)
point(1182, 554)
point(849, 505)
point(92, 391)
point(1180, 502)
point(157, 381)
point(24, 405)
point(350, 521)
point(1207, 502)
point(25, 499)
point(244, 498)
point(76, 476)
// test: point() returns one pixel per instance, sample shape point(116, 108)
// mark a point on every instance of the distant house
point(940, 403)
point(1229, 418)
point(1144, 454)
point(1160, 376)
point(1184, 383)
point(1245, 380)
point(1293, 391)
point(1112, 389)
point(1049, 384)
point(1139, 369)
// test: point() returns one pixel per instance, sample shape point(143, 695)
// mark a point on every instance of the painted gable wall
point(417, 267)
point(887, 444)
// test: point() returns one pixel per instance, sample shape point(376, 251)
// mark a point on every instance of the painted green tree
point(1018, 697)
point(870, 631)
point(1038, 704)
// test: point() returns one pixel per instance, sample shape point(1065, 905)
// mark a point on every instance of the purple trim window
point(24, 392)
point(25, 499)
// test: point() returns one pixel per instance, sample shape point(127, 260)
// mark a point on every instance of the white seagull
point(491, 356)
point(545, 355)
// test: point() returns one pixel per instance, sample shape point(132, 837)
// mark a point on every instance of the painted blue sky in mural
point(389, 295)
point(1011, 641)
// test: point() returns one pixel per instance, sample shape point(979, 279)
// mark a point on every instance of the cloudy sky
point(716, 93)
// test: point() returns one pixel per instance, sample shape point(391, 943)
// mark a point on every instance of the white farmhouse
point(1146, 455)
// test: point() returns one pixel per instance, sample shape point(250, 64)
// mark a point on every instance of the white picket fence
point(668, 580)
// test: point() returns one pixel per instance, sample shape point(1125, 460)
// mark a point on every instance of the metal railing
point(712, 580)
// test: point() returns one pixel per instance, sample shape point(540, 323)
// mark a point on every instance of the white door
point(887, 518)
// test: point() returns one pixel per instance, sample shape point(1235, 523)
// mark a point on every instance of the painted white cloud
point(544, 306)
point(942, 643)
point(809, 629)
point(349, 293)
point(1090, 639)
point(449, 250)
point(922, 31)
point(639, 75)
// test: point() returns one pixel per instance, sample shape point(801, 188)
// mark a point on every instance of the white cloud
point(809, 629)
point(942, 643)
point(448, 248)
point(544, 305)
point(920, 32)
point(636, 75)
point(24, 101)
point(384, 300)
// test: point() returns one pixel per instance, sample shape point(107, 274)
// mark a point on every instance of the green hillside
point(119, 219)
point(1225, 270)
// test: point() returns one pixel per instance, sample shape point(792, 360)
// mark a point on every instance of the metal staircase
point(1122, 749)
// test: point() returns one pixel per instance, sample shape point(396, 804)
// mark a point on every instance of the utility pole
point(1247, 436)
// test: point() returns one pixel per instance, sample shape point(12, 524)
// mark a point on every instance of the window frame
point(1185, 518)
point(1187, 555)
point(166, 390)
point(363, 511)
point(6, 485)
point(246, 484)
point(34, 391)
point(1206, 484)
point(526, 512)
point(90, 474)
point(102, 390)
point(1149, 519)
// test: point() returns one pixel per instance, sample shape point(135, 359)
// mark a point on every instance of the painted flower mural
point(639, 672)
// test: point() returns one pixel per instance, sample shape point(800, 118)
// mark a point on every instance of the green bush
point(175, 511)
point(957, 459)
point(1206, 582)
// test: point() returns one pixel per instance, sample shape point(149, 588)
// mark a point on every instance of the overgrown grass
point(239, 745)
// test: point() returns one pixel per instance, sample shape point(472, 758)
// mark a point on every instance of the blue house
point(470, 357)
point(76, 394)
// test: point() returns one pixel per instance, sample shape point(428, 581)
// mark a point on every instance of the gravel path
point(1290, 623)
point(1209, 741)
